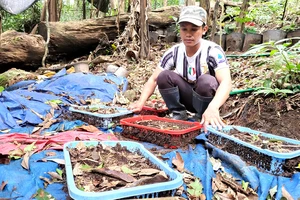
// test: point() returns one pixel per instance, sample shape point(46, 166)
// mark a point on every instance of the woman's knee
point(206, 85)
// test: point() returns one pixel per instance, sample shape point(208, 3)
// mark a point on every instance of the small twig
point(242, 108)
point(286, 146)
point(91, 160)
point(230, 113)
point(258, 105)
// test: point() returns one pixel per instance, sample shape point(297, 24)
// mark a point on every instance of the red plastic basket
point(161, 137)
point(152, 110)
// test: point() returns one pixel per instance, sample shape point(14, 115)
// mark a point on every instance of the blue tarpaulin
point(19, 106)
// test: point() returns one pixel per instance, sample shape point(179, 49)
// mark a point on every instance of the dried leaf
point(80, 145)
point(3, 184)
point(223, 196)
point(4, 159)
point(286, 194)
point(89, 128)
point(50, 153)
point(25, 161)
point(36, 113)
point(116, 174)
point(273, 191)
point(148, 172)
point(178, 162)
point(145, 181)
point(47, 180)
point(77, 169)
point(216, 163)
point(55, 175)
point(56, 160)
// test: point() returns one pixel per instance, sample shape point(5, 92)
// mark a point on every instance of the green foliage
point(59, 171)
point(23, 22)
point(43, 195)
point(266, 12)
point(276, 92)
point(245, 185)
point(195, 188)
point(283, 67)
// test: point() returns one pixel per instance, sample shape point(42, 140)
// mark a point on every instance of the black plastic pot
point(273, 35)
point(251, 39)
point(235, 41)
point(220, 40)
point(295, 33)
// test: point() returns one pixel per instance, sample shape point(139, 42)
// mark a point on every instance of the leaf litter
point(102, 168)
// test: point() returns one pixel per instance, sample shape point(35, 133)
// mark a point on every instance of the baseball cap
point(193, 14)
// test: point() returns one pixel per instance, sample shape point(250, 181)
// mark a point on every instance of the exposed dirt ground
point(270, 115)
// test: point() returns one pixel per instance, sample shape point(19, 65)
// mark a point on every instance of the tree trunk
point(53, 11)
point(214, 23)
point(83, 10)
point(144, 31)
point(244, 8)
point(21, 50)
point(205, 4)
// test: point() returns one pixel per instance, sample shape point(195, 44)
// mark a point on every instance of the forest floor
point(278, 115)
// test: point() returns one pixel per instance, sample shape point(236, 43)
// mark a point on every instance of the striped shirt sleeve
point(167, 61)
point(217, 58)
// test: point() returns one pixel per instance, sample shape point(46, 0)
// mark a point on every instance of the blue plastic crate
point(101, 120)
point(275, 160)
point(145, 191)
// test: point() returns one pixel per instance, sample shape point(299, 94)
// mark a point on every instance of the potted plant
point(251, 36)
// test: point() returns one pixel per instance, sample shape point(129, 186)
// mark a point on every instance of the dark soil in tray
point(261, 161)
point(158, 105)
point(164, 125)
point(99, 110)
point(264, 142)
point(93, 120)
point(161, 138)
point(103, 168)
point(157, 108)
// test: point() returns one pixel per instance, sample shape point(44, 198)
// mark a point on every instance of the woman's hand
point(212, 116)
point(136, 106)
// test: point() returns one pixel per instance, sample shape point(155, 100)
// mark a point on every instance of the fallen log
point(79, 37)
point(69, 40)
point(21, 50)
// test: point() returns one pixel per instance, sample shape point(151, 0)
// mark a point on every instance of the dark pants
point(206, 86)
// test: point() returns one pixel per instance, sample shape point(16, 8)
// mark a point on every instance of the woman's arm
point(148, 90)
point(211, 114)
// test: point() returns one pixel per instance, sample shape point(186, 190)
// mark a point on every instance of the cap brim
point(193, 21)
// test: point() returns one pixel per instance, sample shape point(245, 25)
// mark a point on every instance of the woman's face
point(191, 34)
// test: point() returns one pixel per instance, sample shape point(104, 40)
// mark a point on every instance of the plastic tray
point(275, 160)
point(148, 110)
point(145, 191)
point(100, 120)
point(161, 137)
